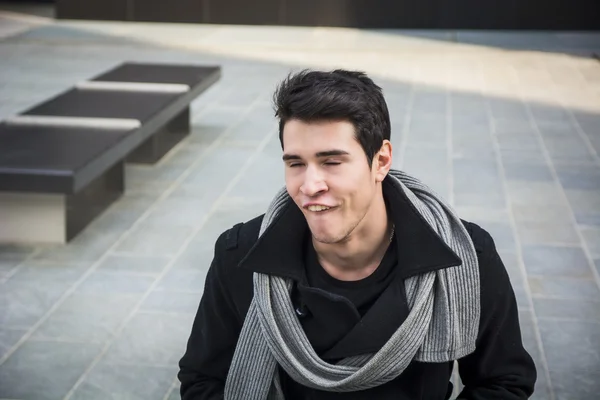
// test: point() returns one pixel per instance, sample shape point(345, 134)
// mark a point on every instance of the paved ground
point(506, 126)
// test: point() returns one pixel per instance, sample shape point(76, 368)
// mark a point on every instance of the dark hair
point(339, 95)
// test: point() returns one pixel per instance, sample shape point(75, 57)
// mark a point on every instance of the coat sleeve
point(210, 347)
point(500, 367)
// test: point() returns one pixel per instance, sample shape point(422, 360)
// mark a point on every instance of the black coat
point(500, 368)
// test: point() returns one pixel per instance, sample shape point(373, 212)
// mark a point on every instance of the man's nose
point(313, 183)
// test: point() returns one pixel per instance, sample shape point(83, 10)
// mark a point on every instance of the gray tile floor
point(505, 126)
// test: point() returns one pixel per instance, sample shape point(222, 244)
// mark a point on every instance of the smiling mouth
point(318, 208)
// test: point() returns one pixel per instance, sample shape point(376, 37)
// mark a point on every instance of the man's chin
point(326, 237)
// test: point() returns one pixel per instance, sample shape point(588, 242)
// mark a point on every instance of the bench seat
point(62, 161)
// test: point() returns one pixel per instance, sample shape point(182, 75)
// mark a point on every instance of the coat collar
point(280, 250)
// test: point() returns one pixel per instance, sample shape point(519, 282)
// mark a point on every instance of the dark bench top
point(159, 73)
point(104, 104)
point(53, 159)
point(130, 104)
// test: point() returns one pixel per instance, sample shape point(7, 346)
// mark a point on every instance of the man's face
point(328, 176)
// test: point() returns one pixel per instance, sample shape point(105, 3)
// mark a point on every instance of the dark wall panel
point(315, 12)
point(93, 9)
point(171, 11)
point(355, 13)
point(400, 14)
point(558, 14)
point(248, 12)
point(491, 14)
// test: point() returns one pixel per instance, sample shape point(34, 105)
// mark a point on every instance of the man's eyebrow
point(288, 157)
point(330, 153)
point(321, 154)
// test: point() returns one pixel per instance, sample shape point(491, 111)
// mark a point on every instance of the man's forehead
point(319, 136)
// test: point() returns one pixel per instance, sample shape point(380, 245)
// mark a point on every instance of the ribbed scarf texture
point(442, 324)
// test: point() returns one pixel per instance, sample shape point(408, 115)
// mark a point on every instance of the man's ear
point(382, 161)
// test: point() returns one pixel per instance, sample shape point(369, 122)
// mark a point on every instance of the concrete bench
point(62, 161)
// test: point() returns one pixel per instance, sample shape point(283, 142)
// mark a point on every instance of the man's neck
point(359, 256)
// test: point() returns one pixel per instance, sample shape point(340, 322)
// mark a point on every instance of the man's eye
point(332, 163)
point(295, 165)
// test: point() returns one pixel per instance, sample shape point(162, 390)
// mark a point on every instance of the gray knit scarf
point(442, 324)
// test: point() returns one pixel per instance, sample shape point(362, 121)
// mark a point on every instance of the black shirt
point(362, 293)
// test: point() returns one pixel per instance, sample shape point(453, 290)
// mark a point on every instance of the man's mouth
point(318, 208)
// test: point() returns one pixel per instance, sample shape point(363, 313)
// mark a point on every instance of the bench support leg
point(159, 144)
point(57, 218)
point(87, 204)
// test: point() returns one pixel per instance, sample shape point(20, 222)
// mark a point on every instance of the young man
point(358, 282)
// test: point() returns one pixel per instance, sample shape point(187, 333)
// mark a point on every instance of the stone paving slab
point(505, 126)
